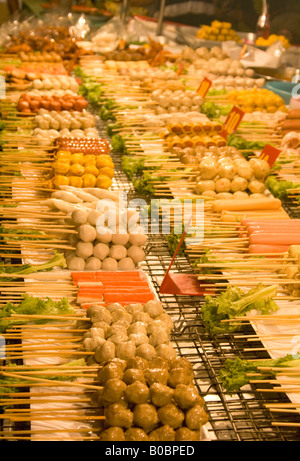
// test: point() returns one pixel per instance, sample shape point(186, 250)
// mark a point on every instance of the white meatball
point(79, 217)
point(76, 264)
point(153, 308)
point(223, 185)
point(101, 251)
point(93, 264)
point(137, 239)
point(141, 317)
point(208, 168)
point(90, 344)
point(239, 184)
point(256, 186)
point(84, 249)
point(109, 264)
point(120, 239)
point(104, 234)
point(136, 253)
point(118, 252)
point(87, 233)
point(126, 264)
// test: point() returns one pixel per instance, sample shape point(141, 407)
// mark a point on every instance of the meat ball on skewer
point(105, 352)
point(109, 264)
point(114, 390)
point(91, 344)
point(184, 434)
point(166, 351)
point(87, 233)
point(159, 337)
point(162, 434)
point(118, 252)
point(137, 328)
point(171, 415)
point(119, 337)
point(114, 307)
point(115, 329)
point(92, 264)
point(117, 415)
point(137, 362)
point(187, 396)
point(131, 308)
point(145, 416)
point(137, 393)
point(121, 314)
point(109, 371)
point(126, 264)
point(101, 251)
point(125, 350)
point(76, 263)
point(180, 376)
point(139, 339)
point(84, 249)
point(146, 351)
point(136, 434)
point(196, 417)
point(153, 308)
point(133, 374)
point(156, 375)
point(139, 316)
point(99, 314)
point(154, 325)
point(113, 434)
point(136, 253)
point(160, 394)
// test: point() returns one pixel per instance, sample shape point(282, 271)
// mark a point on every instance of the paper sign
point(183, 284)
point(270, 154)
point(204, 87)
point(232, 122)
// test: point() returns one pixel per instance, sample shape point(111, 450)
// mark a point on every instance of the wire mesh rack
point(243, 416)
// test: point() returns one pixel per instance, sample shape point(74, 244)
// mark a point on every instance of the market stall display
point(81, 310)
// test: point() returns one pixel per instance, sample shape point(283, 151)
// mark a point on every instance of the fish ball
point(90, 344)
point(239, 184)
point(84, 249)
point(171, 415)
point(137, 328)
point(136, 253)
point(120, 239)
point(92, 264)
point(104, 234)
point(137, 239)
point(118, 252)
point(101, 251)
point(114, 433)
point(256, 186)
point(126, 264)
point(223, 185)
point(76, 264)
point(109, 264)
point(79, 217)
point(93, 217)
point(87, 233)
point(139, 316)
point(137, 307)
point(114, 390)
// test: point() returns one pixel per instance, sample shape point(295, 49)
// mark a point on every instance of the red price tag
point(204, 87)
point(180, 68)
point(270, 154)
point(232, 122)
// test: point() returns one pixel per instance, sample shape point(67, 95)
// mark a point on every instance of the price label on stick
point(180, 68)
point(232, 122)
point(270, 154)
point(204, 87)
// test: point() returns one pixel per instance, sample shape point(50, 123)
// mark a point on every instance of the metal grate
point(239, 417)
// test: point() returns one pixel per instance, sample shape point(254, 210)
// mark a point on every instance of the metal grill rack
point(239, 417)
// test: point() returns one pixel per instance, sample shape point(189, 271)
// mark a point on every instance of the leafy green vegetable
point(173, 240)
point(242, 144)
point(132, 166)
point(58, 260)
point(143, 184)
point(234, 302)
point(118, 144)
point(45, 374)
point(32, 306)
point(234, 373)
point(212, 110)
point(279, 188)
